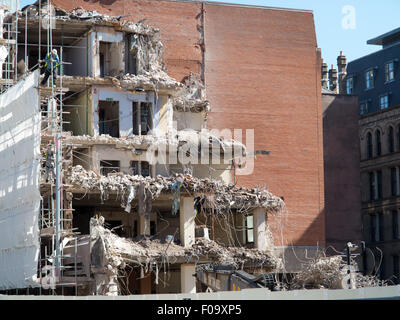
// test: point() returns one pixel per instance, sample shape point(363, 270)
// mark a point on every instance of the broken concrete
point(331, 273)
point(111, 254)
point(225, 196)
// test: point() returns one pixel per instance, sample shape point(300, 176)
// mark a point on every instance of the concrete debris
point(80, 15)
point(147, 80)
point(142, 82)
point(177, 139)
point(225, 196)
point(191, 97)
point(235, 256)
point(112, 254)
point(132, 143)
point(330, 273)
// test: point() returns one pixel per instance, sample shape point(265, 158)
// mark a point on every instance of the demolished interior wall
point(78, 108)
point(20, 126)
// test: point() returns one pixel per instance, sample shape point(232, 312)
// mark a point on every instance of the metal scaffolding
point(56, 270)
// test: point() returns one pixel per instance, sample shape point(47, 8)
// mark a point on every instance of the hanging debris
point(330, 273)
point(112, 254)
point(225, 196)
point(191, 97)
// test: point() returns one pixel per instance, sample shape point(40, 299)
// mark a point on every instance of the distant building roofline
point(388, 37)
point(244, 5)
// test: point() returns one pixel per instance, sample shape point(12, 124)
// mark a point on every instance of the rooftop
point(386, 38)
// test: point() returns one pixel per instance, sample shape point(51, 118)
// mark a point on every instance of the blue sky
point(371, 18)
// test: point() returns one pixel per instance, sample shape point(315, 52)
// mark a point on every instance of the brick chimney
point(342, 63)
point(333, 79)
point(324, 75)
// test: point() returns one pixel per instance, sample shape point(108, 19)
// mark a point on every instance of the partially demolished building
point(141, 193)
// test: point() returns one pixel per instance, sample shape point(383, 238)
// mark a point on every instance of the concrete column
point(144, 225)
point(188, 281)
point(260, 234)
point(186, 219)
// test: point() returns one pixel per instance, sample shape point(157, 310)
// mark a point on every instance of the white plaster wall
point(192, 120)
point(125, 108)
point(78, 58)
point(105, 34)
point(109, 152)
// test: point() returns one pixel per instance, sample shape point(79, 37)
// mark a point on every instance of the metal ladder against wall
point(64, 267)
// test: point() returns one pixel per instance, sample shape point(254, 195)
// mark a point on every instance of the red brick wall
point(262, 72)
point(176, 20)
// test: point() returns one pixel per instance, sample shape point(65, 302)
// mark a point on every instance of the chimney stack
point(324, 75)
point(342, 63)
point(333, 79)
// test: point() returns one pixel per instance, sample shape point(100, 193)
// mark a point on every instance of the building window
point(373, 229)
point(109, 166)
point(375, 185)
point(132, 49)
point(389, 71)
point(382, 274)
point(109, 118)
point(396, 268)
point(153, 229)
point(378, 143)
point(140, 168)
point(381, 226)
point(142, 118)
point(372, 186)
point(398, 137)
point(391, 139)
point(369, 79)
point(249, 229)
point(384, 101)
point(369, 145)
point(379, 184)
point(395, 225)
point(349, 85)
point(393, 181)
point(376, 227)
point(363, 108)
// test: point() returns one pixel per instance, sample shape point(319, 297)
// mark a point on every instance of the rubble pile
point(329, 273)
point(120, 251)
point(174, 138)
point(191, 97)
point(225, 196)
point(142, 82)
point(235, 256)
point(111, 254)
point(155, 80)
point(140, 142)
point(80, 15)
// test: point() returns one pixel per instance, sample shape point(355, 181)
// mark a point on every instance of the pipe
point(58, 201)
